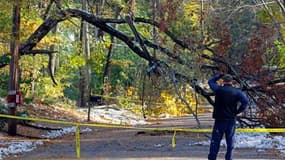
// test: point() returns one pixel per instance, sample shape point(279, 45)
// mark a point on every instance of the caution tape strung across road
point(197, 130)
point(194, 130)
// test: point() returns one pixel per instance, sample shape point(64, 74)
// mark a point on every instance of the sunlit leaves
point(280, 58)
point(46, 89)
point(98, 56)
point(119, 3)
point(49, 40)
point(5, 20)
point(76, 61)
point(187, 19)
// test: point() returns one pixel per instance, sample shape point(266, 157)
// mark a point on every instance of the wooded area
point(157, 54)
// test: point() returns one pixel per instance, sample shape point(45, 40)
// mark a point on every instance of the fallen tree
point(266, 92)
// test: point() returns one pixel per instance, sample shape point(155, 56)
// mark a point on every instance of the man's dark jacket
point(227, 99)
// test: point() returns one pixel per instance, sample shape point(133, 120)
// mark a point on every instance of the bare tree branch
point(137, 36)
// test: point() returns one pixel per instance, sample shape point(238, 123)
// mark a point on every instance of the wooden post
point(14, 66)
point(154, 33)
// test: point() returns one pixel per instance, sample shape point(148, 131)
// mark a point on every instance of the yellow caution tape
point(173, 140)
point(197, 130)
point(77, 139)
point(261, 130)
point(77, 134)
point(103, 125)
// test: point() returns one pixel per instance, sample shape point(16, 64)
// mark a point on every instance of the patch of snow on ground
point(253, 140)
point(17, 147)
point(14, 148)
point(281, 141)
point(64, 131)
point(111, 114)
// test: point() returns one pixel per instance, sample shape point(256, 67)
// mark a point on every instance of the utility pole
point(154, 33)
point(14, 68)
point(202, 19)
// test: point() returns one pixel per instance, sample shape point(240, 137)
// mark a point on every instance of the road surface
point(129, 144)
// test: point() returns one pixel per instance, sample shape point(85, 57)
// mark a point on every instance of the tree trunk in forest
point(14, 68)
point(154, 32)
point(108, 60)
point(84, 80)
point(107, 66)
point(33, 82)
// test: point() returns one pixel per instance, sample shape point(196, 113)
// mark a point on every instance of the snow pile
point(64, 131)
point(254, 140)
point(17, 147)
point(112, 115)
point(281, 142)
point(9, 148)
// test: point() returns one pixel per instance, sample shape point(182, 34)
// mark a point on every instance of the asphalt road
point(128, 144)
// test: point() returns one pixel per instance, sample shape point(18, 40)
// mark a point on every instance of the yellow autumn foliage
point(29, 26)
point(192, 10)
point(166, 103)
point(174, 106)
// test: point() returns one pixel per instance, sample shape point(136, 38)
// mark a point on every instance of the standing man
point(225, 111)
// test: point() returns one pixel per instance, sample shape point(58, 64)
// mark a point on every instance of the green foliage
point(4, 60)
point(187, 21)
point(5, 18)
point(98, 57)
point(71, 92)
point(118, 3)
point(4, 84)
point(280, 58)
point(3, 110)
point(264, 16)
point(120, 69)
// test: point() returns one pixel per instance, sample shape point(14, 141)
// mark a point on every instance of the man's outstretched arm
point(213, 81)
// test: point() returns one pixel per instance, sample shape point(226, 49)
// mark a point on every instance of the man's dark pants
point(220, 128)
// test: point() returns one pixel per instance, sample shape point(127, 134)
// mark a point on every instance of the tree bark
point(85, 71)
point(108, 60)
point(14, 67)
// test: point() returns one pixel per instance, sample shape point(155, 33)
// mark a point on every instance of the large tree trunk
point(14, 68)
point(84, 81)
point(108, 60)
